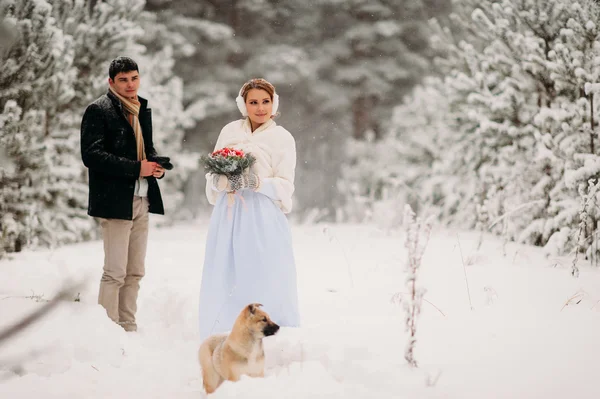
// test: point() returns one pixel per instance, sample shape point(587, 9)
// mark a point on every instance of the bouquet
point(228, 162)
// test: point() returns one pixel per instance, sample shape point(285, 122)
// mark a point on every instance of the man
point(116, 142)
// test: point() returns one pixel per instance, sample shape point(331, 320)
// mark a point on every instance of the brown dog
point(228, 357)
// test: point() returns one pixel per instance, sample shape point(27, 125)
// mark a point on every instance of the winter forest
point(481, 113)
point(448, 161)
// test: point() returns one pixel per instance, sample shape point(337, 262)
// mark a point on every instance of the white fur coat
point(275, 151)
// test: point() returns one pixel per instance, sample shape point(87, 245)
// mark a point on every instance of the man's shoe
point(128, 326)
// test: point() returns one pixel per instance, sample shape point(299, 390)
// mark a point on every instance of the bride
point(249, 255)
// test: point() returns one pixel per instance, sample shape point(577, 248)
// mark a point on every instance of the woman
point(249, 256)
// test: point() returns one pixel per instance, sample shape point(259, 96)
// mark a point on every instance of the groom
point(116, 143)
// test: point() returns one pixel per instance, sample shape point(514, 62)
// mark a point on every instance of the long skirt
point(249, 259)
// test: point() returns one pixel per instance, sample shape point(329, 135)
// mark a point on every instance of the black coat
point(109, 151)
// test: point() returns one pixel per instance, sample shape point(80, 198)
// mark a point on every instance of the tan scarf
point(132, 107)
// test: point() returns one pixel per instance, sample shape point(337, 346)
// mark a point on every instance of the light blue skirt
point(249, 259)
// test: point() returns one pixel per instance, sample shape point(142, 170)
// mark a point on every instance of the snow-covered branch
point(417, 237)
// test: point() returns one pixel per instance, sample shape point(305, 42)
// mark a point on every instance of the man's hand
point(148, 168)
point(158, 172)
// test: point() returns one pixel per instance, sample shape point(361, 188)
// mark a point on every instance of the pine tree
point(165, 94)
point(96, 35)
point(375, 50)
point(519, 142)
point(57, 66)
point(199, 100)
point(217, 50)
point(569, 126)
point(385, 174)
point(34, 75)
point(493, 100)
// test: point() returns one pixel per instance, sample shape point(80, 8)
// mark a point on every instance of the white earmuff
point(241, 104)
point(275, 103)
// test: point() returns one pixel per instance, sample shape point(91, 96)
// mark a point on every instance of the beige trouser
point(125, 243)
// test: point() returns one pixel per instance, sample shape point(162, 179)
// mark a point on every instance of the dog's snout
point(271, 329)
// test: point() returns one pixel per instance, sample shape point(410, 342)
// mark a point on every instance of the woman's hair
point(258, 83)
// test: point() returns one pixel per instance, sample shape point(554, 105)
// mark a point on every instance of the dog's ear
point(253, 306)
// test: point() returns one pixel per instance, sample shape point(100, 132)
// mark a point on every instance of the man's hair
point(121, 64)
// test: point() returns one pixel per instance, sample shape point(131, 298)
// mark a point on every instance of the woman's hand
point(220, 182)
point(245, 180)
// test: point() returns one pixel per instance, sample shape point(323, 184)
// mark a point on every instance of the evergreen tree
point(374, 49)
point(203, 46)
point(166, 95)
point(569, 131)
point(34, 78)
point(96, 35)
point(520, 137)
point(524, 102)
point(224, 43)
point(493, 99)
point(57, 66)
point(385, 174)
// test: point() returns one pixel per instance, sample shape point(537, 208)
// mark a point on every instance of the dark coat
point(109, 151)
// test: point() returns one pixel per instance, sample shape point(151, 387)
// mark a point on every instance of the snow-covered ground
point(518, 340)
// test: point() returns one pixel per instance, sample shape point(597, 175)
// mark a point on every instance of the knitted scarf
point(132, 107)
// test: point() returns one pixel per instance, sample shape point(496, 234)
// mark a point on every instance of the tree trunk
point(592, 150)
point(234, 19)
point(91, 5)
point(362, 117)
